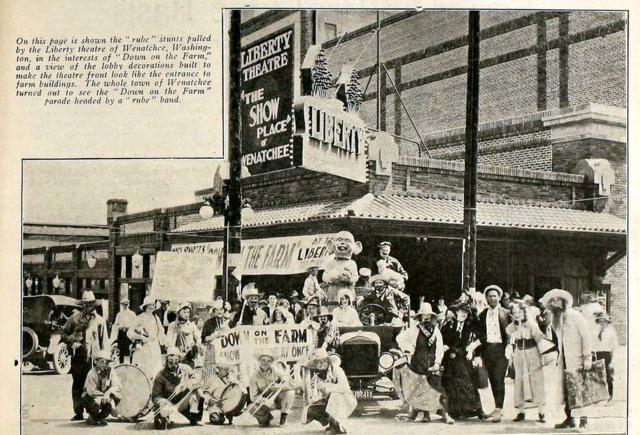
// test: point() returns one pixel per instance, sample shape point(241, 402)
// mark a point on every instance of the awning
point(428, 209)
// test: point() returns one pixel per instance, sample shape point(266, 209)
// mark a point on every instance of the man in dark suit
point(492, 331)
point(165, 316)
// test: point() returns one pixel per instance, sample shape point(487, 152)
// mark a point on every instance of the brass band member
point(331, 399)
point(266, 380)
point(328, 336)
point(101, 389)
point(213, 389)
point(175, 390)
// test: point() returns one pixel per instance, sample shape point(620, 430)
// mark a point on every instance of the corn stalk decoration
point(355, 96)
point(321, 76)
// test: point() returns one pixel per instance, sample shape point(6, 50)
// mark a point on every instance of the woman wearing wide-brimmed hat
point(422, 344)
point(184, 335)
point(147, 334)
point(460, 378)
point(334, 402)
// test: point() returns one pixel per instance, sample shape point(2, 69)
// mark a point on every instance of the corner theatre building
point(551, 180)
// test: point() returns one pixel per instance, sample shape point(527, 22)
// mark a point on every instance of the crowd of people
point(449, 354)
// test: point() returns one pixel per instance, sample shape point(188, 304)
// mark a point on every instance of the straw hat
point(324, 312)
point(493, 287)
point(148, 300)
point(88, 296)
point(102, 354)
point(425, 310)
point(320, 355)
point(557, 293)
point(174, 351)
point(264, 353)
point(250, 290)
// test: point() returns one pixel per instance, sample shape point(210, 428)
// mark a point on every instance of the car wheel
point(115, 354)
point(29, 342)
point(62, 360)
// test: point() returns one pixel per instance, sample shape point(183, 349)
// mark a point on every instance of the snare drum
point(233, 399)
point(135, 390)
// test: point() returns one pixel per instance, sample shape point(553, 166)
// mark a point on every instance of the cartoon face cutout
point(343, 245)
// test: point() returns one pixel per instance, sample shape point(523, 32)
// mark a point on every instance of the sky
point(76, 191)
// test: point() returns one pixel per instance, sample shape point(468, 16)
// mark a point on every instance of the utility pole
point(234, 209)
point(471, 154)
point(378, 74)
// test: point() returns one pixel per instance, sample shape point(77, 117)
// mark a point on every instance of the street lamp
point(56, 282)
point(91, 259)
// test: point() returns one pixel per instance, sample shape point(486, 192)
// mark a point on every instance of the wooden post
point(378, 75)
point(234, 240)
point(471, 153)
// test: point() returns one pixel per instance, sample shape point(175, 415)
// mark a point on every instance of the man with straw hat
point(250, 313)
point(494, 339)
point(574, 344)
point(333, 402)
point(85, 334)
point(328, 335)
point(312, 288)
point(176, 389)
point(422, 343)
point(271, 389)
point(101, 389)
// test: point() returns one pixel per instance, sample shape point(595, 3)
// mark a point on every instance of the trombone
point(269, 393)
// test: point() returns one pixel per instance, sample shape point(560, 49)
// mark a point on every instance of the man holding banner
point(250, 313)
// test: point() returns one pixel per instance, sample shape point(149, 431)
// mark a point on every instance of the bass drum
point(233, 399)
point(135, 392)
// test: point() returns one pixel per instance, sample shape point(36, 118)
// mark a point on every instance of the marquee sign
point(274, 256)
point(330, 139)
point(267, 102)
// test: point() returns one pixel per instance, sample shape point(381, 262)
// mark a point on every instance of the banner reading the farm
point(243, 344)
point(277, 256)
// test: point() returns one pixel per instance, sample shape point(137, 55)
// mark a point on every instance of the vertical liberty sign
point(267, 103)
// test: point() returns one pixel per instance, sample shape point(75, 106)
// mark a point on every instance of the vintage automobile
point(368, 352)
point(42, 321)
point(43, 317)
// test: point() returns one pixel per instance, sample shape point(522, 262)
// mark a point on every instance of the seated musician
point(101, 389)
point(264, 383)
point(175, 389)
point(395, 302)
point(331, 399)
point(213, 390)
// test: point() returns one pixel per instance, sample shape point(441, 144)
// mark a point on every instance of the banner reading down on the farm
point(243, 344)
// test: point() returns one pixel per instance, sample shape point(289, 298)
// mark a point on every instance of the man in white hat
point(263, 383)
point(492, 332)
point(101, 389)
point(574, 344)
point(250, 313)
point(396, 302)
point(85, 334)
point(176, 388)
point(312, 288)
point(125, 319)
point(335, 401)
point(422, 343)
point(183, 334)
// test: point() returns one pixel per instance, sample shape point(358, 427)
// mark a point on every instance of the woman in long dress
point(525, 335)
point(460, 378)
point(147, 333)
point(345, 314)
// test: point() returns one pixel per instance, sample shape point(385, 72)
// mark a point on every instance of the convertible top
point(38, 308)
